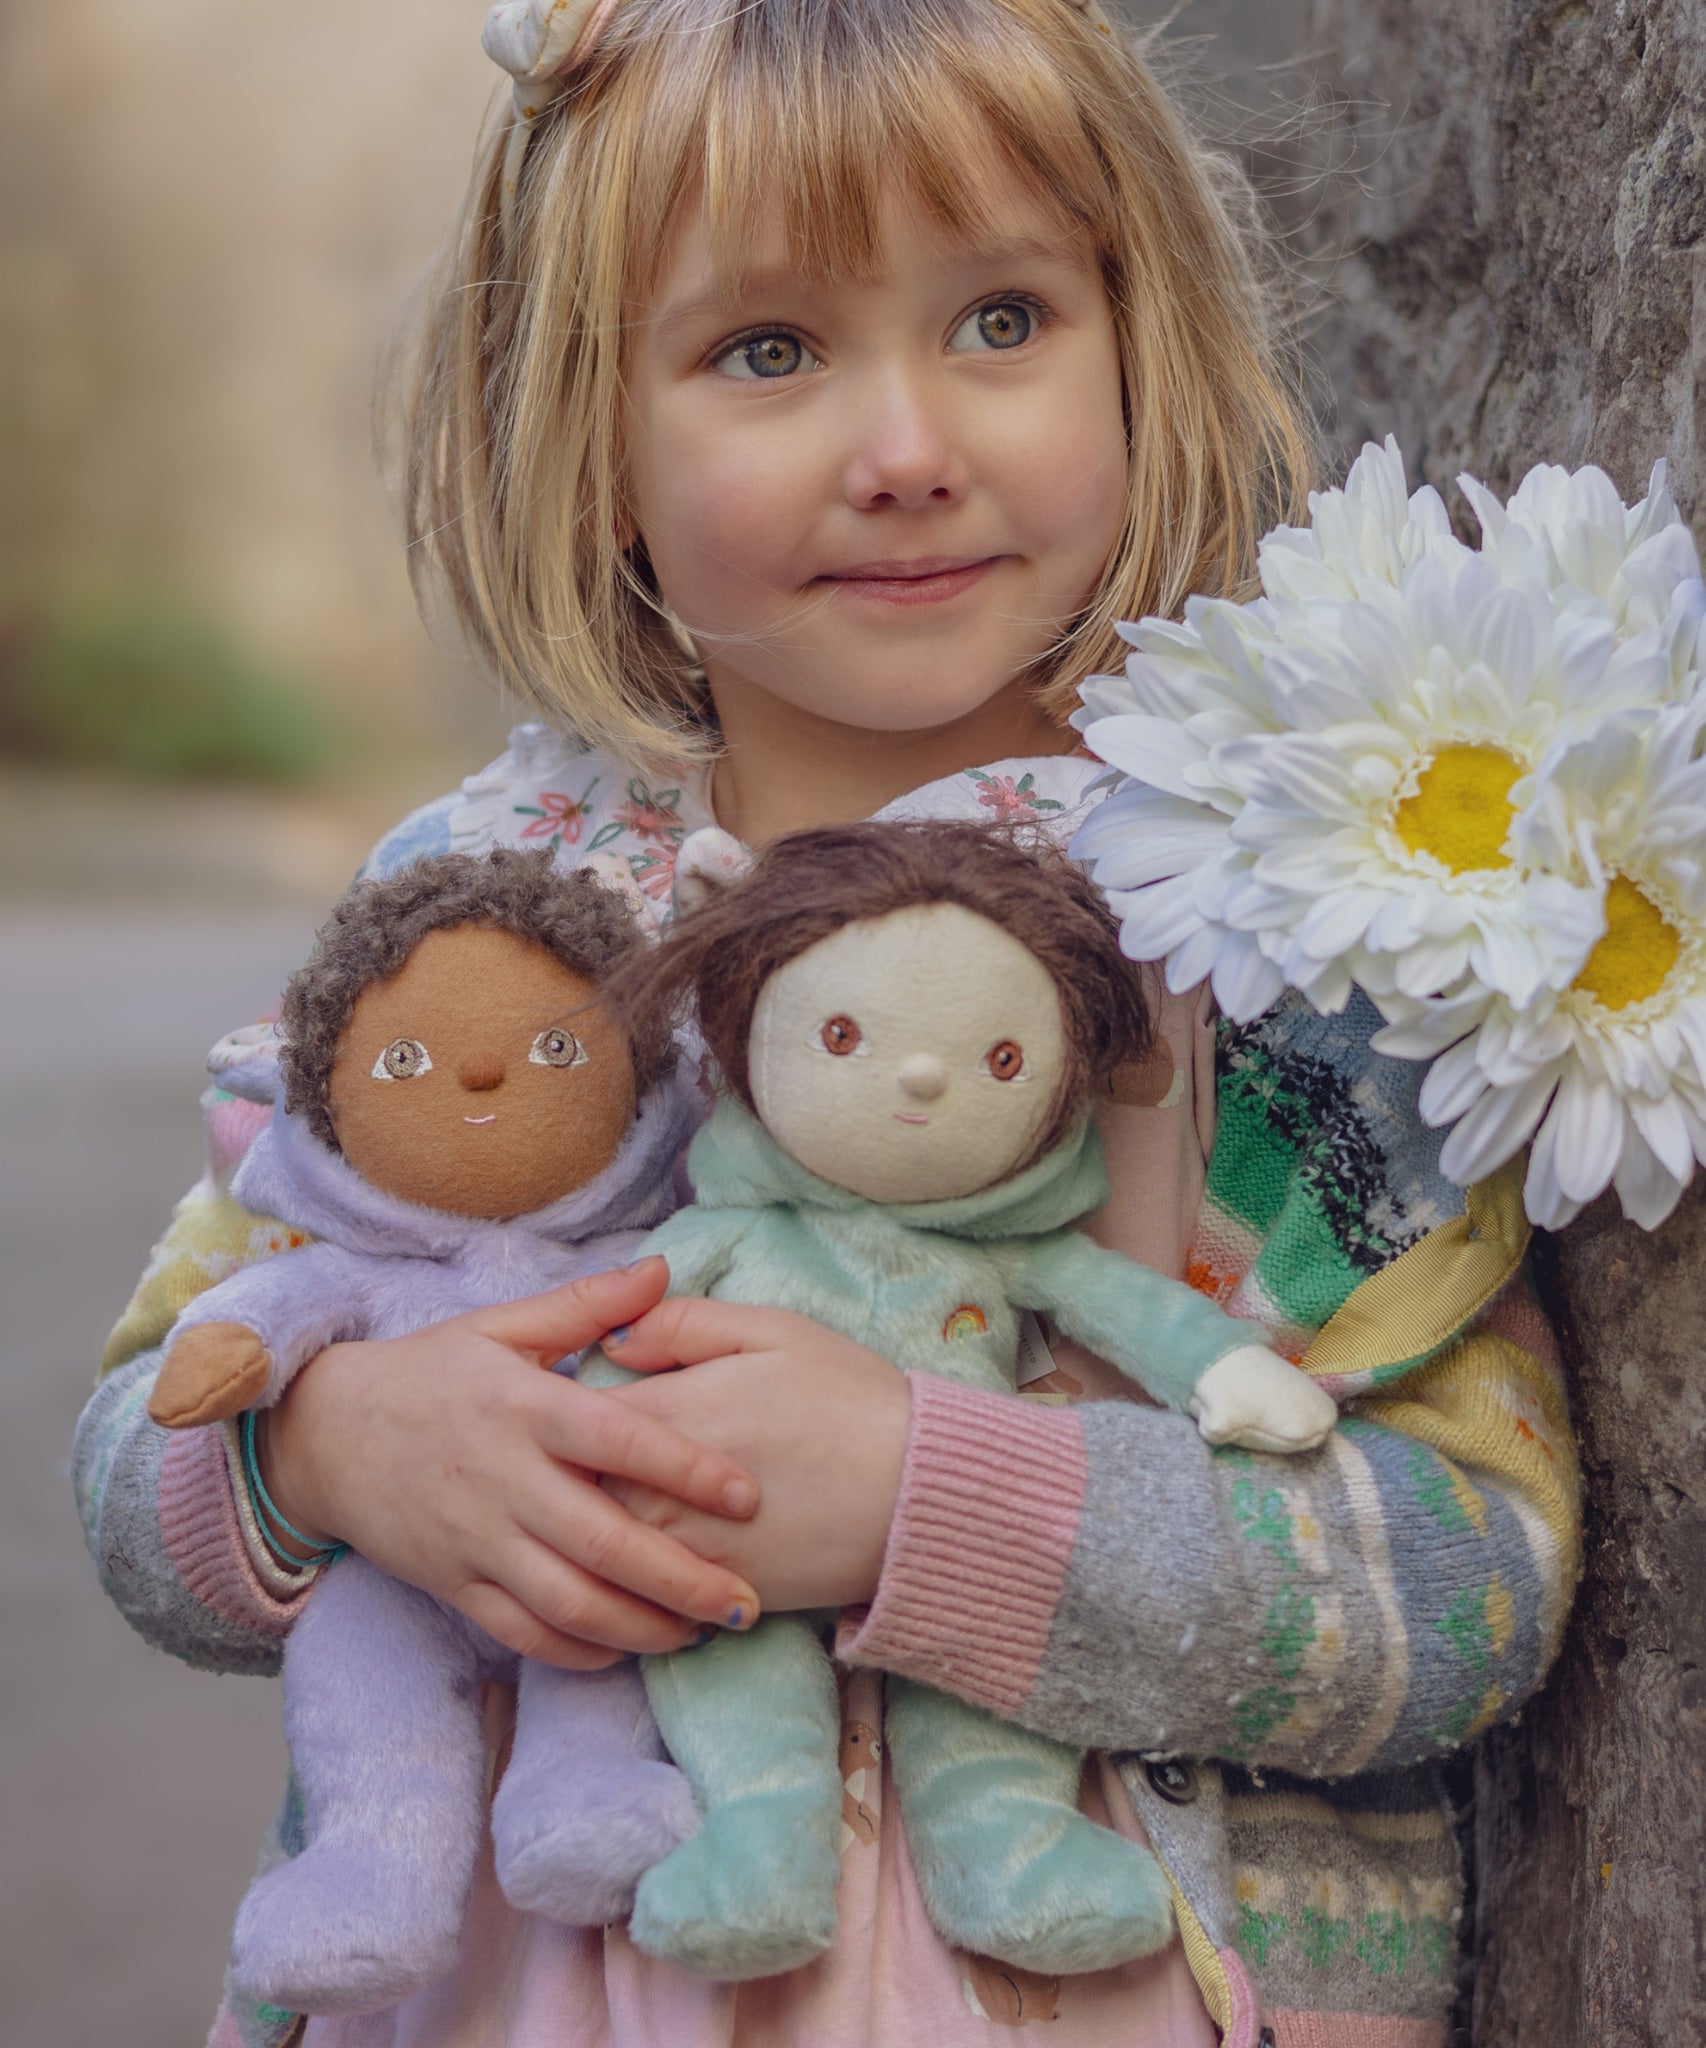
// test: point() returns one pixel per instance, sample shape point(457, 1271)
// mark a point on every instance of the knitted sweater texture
point(1276, 1650)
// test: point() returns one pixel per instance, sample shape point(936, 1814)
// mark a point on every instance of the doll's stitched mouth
point(902, 1116)
point(492, 1119)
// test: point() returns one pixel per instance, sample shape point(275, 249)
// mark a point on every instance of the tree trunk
point(1524, 281)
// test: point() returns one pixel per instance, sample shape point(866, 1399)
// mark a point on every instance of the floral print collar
point(547, 789)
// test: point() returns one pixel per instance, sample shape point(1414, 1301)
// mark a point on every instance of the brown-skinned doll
point(461, 1121)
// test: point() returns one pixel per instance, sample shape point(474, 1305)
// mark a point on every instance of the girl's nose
point(480, 1071)
point(923, 1076)
point(904, 455)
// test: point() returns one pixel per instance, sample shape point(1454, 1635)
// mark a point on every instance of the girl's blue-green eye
point(766, 355)
point(1003, 323)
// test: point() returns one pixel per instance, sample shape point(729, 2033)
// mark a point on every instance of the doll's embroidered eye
point(402, 1060)
point(1006, 1059)
point(841, 1036)
point(557, 1048)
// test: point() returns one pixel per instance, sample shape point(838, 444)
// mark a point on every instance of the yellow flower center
point(1638, 951)
point(1461, 811)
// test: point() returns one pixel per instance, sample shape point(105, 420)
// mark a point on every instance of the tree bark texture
point(1520, 278)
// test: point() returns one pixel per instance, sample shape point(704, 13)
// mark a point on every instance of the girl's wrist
point(295, 1525)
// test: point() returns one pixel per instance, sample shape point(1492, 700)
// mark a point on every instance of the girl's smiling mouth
point(927, 580)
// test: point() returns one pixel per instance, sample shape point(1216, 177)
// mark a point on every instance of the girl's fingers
point(566, 1601)
point(627, 1557)
point(504, 1618)
point(582, 1426)
point(549, 1326)
point(690, 1329)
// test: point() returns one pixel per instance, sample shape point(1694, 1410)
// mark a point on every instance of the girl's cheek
point(1076, 464)
point(731, 521)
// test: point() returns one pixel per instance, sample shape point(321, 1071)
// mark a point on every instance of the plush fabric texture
point(1093, 1570)
point(380, 1681)
point(1006, 1864)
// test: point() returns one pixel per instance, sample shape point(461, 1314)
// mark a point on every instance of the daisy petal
point(1548, 1206)
point(1664, 1127)
point(1495, 1130)
point(1591, 1124)
point(1646, 1187)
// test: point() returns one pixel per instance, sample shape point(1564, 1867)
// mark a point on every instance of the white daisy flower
point(1369, 531)
point(1606, 1075)
point(1326, 785)
point(1571, 531)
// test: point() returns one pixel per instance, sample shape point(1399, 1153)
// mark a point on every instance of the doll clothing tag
point(1035, 1359)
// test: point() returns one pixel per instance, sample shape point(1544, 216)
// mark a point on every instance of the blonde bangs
point(816, 110)
point(817, 113)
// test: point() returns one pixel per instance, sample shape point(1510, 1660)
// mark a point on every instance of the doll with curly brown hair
point(462, 1121)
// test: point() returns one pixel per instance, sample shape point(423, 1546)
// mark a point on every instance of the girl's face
point(878, 503)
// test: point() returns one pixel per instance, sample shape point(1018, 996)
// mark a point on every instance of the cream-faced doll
point(909, 1023)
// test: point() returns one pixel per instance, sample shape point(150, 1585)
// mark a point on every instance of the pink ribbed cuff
point(204, 1537)
point(988, 1513)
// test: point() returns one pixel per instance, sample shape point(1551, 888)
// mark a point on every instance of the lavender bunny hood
point(382, 1266)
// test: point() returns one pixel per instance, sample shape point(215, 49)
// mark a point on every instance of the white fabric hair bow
point(539, 43)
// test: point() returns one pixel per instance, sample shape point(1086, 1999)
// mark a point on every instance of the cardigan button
point(1175, 1781)
point(1265, 2039)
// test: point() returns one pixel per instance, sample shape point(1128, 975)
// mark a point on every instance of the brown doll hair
point(378, 924)
point(716, 960)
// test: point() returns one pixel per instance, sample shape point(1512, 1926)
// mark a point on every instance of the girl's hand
point(818, 1420)
point(454, 1460)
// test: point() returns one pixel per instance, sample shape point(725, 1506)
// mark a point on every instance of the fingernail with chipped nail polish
point(620, 1335)
point(739, 1617)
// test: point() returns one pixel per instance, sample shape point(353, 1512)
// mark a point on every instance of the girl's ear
point(708, 862)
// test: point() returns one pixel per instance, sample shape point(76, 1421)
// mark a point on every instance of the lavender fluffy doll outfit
point(381, 1681)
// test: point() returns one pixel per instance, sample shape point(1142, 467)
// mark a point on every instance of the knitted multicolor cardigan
point(1276, 1648)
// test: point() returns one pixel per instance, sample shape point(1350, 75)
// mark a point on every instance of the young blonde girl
point(815, 384)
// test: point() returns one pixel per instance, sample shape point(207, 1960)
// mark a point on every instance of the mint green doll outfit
point(1006, 1863)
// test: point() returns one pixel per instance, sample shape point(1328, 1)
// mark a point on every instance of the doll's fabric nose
point(479, 1071)
point(923, 1077)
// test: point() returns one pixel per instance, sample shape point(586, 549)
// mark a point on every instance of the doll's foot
point(574, 1842)
point(751, 1895)
point(342, 1929)
point(1088, 1901)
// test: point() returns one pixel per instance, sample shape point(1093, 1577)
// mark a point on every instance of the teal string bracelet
point(267, 1510)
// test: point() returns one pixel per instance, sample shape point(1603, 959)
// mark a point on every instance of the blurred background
point(214, 695)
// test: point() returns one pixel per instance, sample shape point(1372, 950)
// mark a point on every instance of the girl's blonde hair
point(803, 114)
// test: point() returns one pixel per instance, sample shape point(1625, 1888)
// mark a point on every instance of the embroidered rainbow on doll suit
point(968, 1320)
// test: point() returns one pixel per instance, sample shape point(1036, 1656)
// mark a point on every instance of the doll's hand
point(819, 1421)
point(452, 1460)
point(213, 1370)
point(1254, 1398)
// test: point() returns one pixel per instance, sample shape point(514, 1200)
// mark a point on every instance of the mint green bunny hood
point(734, 1163)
